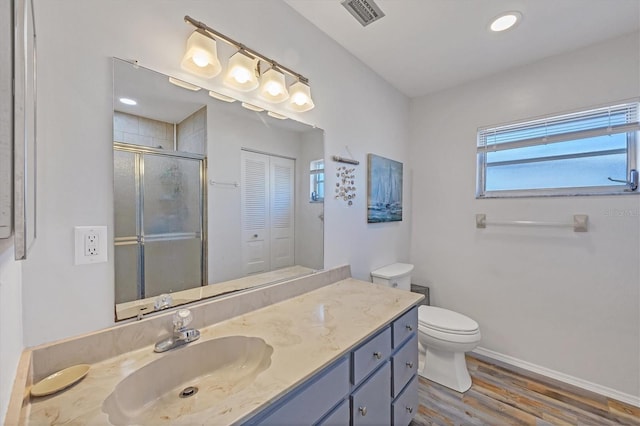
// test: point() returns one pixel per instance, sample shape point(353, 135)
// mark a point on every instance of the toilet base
point(446, 368)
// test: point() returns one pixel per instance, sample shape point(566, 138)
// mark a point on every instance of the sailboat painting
point(384, 199)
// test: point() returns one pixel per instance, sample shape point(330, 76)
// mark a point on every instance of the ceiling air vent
point(365, 11)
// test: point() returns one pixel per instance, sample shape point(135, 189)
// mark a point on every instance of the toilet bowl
point(444, 336)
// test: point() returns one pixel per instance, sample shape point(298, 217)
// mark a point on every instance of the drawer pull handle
point(363, 411)
point(409, 409)
point(378, 355)
point(409, 327)
point(410, 364)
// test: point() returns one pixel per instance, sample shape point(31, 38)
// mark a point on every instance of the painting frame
point(384, 189)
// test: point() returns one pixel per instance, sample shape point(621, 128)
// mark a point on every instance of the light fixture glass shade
point(276, 115)
point(273, 86)
point(221, 97)
point(300, 97)
point(241, 72)
point(201, 56)
point(252, 107)
point(184, 84)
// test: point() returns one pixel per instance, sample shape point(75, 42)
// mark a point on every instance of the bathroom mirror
point(210, 198)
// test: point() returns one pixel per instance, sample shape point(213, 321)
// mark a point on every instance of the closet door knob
point(378, 355)
point(409, 409)
point(363, 411)
point(255, 235)
point(409, 327)
point(410, 364)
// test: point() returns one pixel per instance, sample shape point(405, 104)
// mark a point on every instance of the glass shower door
point(172, 224)
point(160, 223)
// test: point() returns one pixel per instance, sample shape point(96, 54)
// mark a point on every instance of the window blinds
point(610, 120)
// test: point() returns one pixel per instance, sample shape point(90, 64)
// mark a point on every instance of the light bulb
point(274, 89)
point(299, 99)
point(241, 75)
point(200, 59)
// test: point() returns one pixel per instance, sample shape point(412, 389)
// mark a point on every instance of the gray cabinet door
point(406, 405)
point(405, 364)
point(371, 403)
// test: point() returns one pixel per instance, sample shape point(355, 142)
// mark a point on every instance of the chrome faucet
point(181, 334)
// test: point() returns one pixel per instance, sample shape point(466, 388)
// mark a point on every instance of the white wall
point(76, 42)
point(561, 300)
point(309, 225)
point(10, 321)
point(227, 134)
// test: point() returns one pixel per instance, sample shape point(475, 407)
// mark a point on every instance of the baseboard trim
point(584, 384)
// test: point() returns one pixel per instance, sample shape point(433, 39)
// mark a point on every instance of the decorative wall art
point(345, 185)
point(384, 190)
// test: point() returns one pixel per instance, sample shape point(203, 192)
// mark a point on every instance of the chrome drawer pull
point(409, 327)
point(410, 364)
point(409, 409)
point(363, 411)
point(378, 355)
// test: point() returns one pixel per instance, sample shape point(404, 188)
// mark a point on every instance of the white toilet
point(443, 336)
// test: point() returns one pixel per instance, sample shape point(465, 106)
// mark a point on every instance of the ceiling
point(423, 46)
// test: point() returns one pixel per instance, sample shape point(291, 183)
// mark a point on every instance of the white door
point(282, 172)
point(255, 213)
point(267, 195)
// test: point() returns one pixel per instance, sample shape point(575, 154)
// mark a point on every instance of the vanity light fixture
point(252, 107)
point(201, 56)
point(300, 97)
point(243, 71)
point(273, 86)
point(183, 84)
point(505, 21)
point(221, 97)
point(128, 101)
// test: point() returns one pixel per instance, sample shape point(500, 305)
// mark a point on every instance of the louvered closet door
point(282, 172)
point(255, 212)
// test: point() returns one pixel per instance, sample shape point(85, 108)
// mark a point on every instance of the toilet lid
point(446, 321)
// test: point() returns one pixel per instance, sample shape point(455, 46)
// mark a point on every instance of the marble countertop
point(307, 333)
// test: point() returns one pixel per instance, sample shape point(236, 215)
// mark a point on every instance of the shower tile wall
point(128, 128)
point(192, 133)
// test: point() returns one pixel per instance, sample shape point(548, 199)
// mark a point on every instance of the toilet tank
point(397, 275)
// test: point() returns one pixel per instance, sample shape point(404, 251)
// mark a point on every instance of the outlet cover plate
point(96, 236)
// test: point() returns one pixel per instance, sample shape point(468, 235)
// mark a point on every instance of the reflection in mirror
point(209, 197)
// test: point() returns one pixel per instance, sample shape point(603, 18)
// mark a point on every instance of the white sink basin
point(218, 368)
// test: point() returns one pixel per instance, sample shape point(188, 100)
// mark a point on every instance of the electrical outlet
point(91, 244)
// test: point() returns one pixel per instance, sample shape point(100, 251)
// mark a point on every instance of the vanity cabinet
point(375, 384)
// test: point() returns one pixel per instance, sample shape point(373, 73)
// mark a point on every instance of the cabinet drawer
point(404, 408)
point(370, 404)
point(404, 326)
point(405, 364)
point(338, 417)
point(370, 355)
point(308, 404)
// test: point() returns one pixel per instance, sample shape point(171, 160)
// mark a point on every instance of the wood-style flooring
point(505, 395)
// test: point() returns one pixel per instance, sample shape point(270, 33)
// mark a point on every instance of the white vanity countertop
point(307, 333)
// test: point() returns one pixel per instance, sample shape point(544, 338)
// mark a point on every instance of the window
point(316, 181)
point(569, 154)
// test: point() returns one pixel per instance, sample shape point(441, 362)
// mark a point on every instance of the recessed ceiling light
point(128, 101)
point(505, 21)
